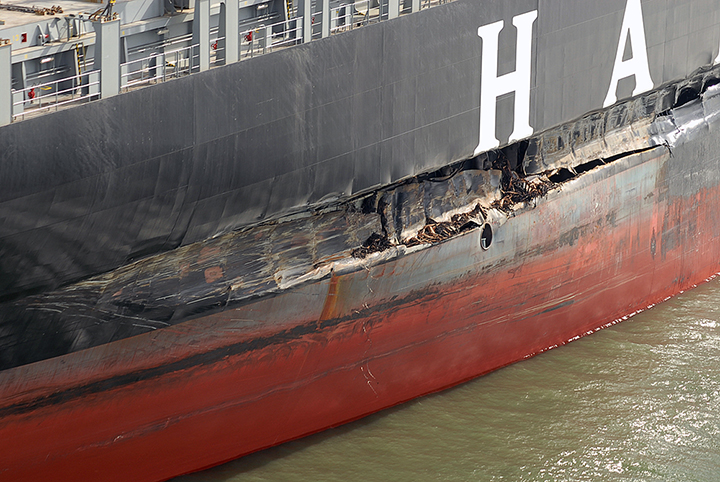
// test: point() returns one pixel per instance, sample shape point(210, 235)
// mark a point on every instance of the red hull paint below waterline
point(609, 243)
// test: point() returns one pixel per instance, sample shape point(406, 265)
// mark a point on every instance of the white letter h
point(493, 86)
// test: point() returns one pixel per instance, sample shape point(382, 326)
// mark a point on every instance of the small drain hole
point(486, 236)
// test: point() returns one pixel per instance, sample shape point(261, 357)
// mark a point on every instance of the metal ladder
point(288, 9)
point(80, 51)
point(80, 66)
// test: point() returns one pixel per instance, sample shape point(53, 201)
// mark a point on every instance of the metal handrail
point(432, 3)
point(289, 35)
point(348, 15)
point(217, 50)
point(181, 39)
point(156, 65)
point(255, 41)
point(34, 103)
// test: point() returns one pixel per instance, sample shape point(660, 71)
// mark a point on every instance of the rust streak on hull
point(328, 310)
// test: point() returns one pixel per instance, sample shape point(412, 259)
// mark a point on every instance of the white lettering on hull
point(632, 26)
point(518, 81)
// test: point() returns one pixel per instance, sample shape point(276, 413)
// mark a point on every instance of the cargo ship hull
point(173, 298)
point(336, 349)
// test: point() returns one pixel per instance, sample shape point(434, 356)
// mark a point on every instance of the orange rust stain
point(206, 254)
point(213, 274)
point(328, 311)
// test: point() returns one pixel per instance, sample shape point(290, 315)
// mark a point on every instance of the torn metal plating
point(421, 210)
point(660, 117)
point(399, 219)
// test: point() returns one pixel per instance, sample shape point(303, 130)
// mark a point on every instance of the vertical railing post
point(222, 35)
point(306, 25)
point(107, 56)
point(415, 6)
point(325, 27)
point(94, 79)
point(393, 8)
point(6, 97)
point(201, 32)
point(232, 40)
point(161, 65)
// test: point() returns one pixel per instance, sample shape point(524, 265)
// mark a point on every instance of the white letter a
point(638, 65)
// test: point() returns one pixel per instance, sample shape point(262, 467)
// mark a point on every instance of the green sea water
point(639, 401)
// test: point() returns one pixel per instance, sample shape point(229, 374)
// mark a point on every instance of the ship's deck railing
point(352, 15)
point(167, 45)
point(432, 3)
point(159, 67)
point(356, 14)
point(266, 38)
point(217, 49)
point(53, 94)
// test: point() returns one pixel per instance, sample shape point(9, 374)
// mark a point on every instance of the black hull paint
point(87, 189)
